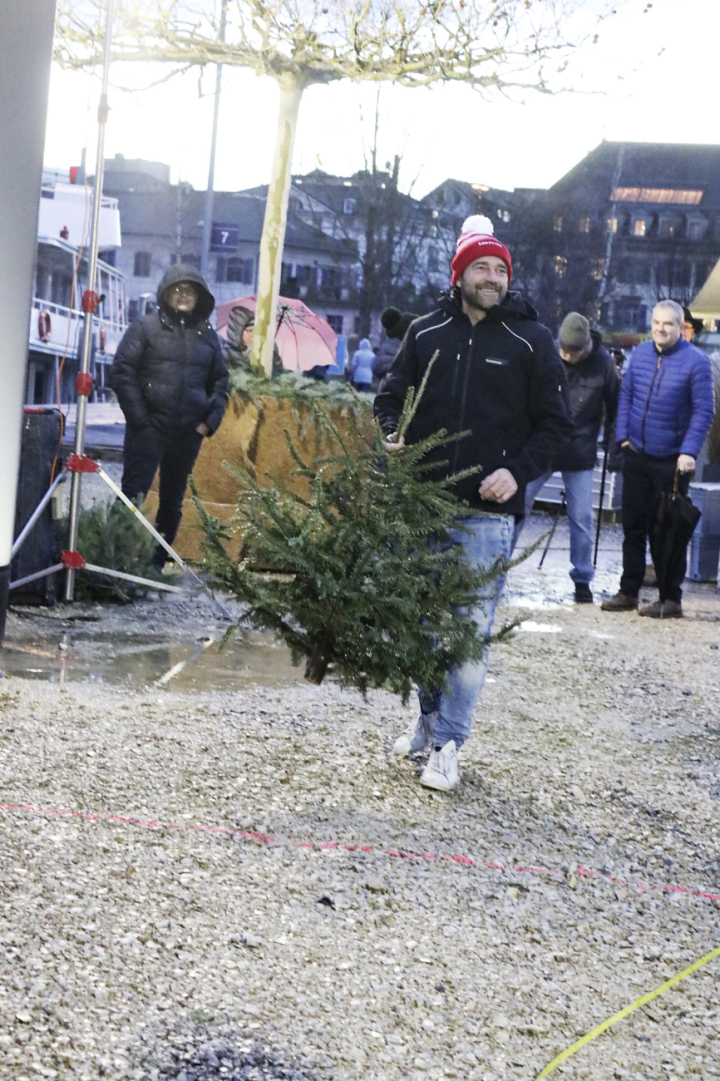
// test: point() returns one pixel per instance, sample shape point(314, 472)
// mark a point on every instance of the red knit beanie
point(476, 240)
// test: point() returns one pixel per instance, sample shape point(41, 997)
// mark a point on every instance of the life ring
point(101, 339)
point(44, 325)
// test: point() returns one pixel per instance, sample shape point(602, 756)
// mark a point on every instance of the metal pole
point(20, 539)
point(551, 534)
point(210, 192)
point(90, 297)
point(602, 496)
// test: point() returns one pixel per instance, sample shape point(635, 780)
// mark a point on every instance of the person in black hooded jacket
point(498, 376)
point(594, 387)
point(171, 382)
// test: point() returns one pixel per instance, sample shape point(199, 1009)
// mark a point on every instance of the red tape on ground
point(259, 838)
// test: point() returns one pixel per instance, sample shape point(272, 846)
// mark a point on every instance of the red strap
point(83, 383)
point(74, 560)
point(80, 463)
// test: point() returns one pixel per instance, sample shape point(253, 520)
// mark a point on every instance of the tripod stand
point(79, 463)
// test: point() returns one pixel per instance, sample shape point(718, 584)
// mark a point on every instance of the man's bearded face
point(484, 283)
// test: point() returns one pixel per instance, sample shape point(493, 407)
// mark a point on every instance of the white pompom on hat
point(476, 239)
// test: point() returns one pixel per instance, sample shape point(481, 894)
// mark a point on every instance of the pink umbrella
point(303, 338)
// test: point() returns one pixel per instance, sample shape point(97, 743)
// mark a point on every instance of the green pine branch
point(371, 586)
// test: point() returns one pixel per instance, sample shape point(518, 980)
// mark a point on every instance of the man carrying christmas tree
point(498, 377)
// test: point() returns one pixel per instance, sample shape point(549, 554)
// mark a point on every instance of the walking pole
point(602, 496)
point(90, 299)
point(551, 534)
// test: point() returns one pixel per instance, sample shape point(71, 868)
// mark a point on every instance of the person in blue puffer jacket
point(362, 365)
point(666, 407)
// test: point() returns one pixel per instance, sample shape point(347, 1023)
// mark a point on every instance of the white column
point(26, 34)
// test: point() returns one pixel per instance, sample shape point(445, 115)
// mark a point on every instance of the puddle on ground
point(139, 661)
point(539, 628)
point(536, 603)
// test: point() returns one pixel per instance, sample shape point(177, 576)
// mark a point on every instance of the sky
point(651, 77)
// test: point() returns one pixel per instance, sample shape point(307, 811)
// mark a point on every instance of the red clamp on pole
point(84, 383)
point(74, 560)
point(80, 463)
point(90, 300)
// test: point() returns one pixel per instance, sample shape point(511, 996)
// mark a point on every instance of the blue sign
point(223, 237)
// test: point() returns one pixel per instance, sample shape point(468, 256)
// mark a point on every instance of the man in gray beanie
point(594, 386)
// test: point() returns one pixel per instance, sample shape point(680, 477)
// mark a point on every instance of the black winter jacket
point(169, 369)
point(594, 384)
point(501, 379)
point(385, 356)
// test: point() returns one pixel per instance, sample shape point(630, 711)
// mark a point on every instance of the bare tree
point(493, 45)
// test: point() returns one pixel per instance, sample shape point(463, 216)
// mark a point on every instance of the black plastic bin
point(40, 549)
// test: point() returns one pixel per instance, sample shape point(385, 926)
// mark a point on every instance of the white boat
point(61, 272)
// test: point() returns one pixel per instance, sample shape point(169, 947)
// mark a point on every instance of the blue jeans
point(578, 494)
point(490, 538)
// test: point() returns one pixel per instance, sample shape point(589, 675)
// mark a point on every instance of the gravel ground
point(138, 950)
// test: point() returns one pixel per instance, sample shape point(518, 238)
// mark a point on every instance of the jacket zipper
point(463, 399)
point(647, 402)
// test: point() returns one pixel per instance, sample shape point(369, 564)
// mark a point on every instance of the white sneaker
point(441, 771)
point(417, 736)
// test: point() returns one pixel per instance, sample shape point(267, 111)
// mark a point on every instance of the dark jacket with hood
point(594, 384)
point(385, 356)
point(501, 379)
point(238, 354)
point(169, 369)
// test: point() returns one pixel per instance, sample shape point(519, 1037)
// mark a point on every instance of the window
point(695, 230)
point(667, 229)
point(243, 270)
point(336, 322)
point(191, 260)
point(305, 275)
point(560, 266)
point(639, 227)
point(349, 206)
point(584, 223)
point(632, 314)
point(330, 277)
point(132, 311)
point(596, 269)
point(141, 264)
point(656, 195)
point(234, 270)
point(557, 223)
point(612, 225)
point(108, 257)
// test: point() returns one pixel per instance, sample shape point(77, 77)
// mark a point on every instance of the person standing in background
point(171, 382)
point(594, 385)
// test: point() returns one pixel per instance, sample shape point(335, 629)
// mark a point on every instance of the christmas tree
point(370, 583)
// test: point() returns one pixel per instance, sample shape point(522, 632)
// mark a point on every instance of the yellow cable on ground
point(627, 1010)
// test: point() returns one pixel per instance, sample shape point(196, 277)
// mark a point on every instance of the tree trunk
point(316, 666)
point(273, 234)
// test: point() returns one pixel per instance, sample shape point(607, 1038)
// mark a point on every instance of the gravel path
point(132, 950)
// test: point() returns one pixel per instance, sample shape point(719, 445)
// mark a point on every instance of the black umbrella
point(670, 534)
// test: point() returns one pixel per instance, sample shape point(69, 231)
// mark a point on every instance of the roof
point(653, 166)
point(156, 214)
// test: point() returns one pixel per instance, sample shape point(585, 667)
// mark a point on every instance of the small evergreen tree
point(112, 537)
point(371, 584)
